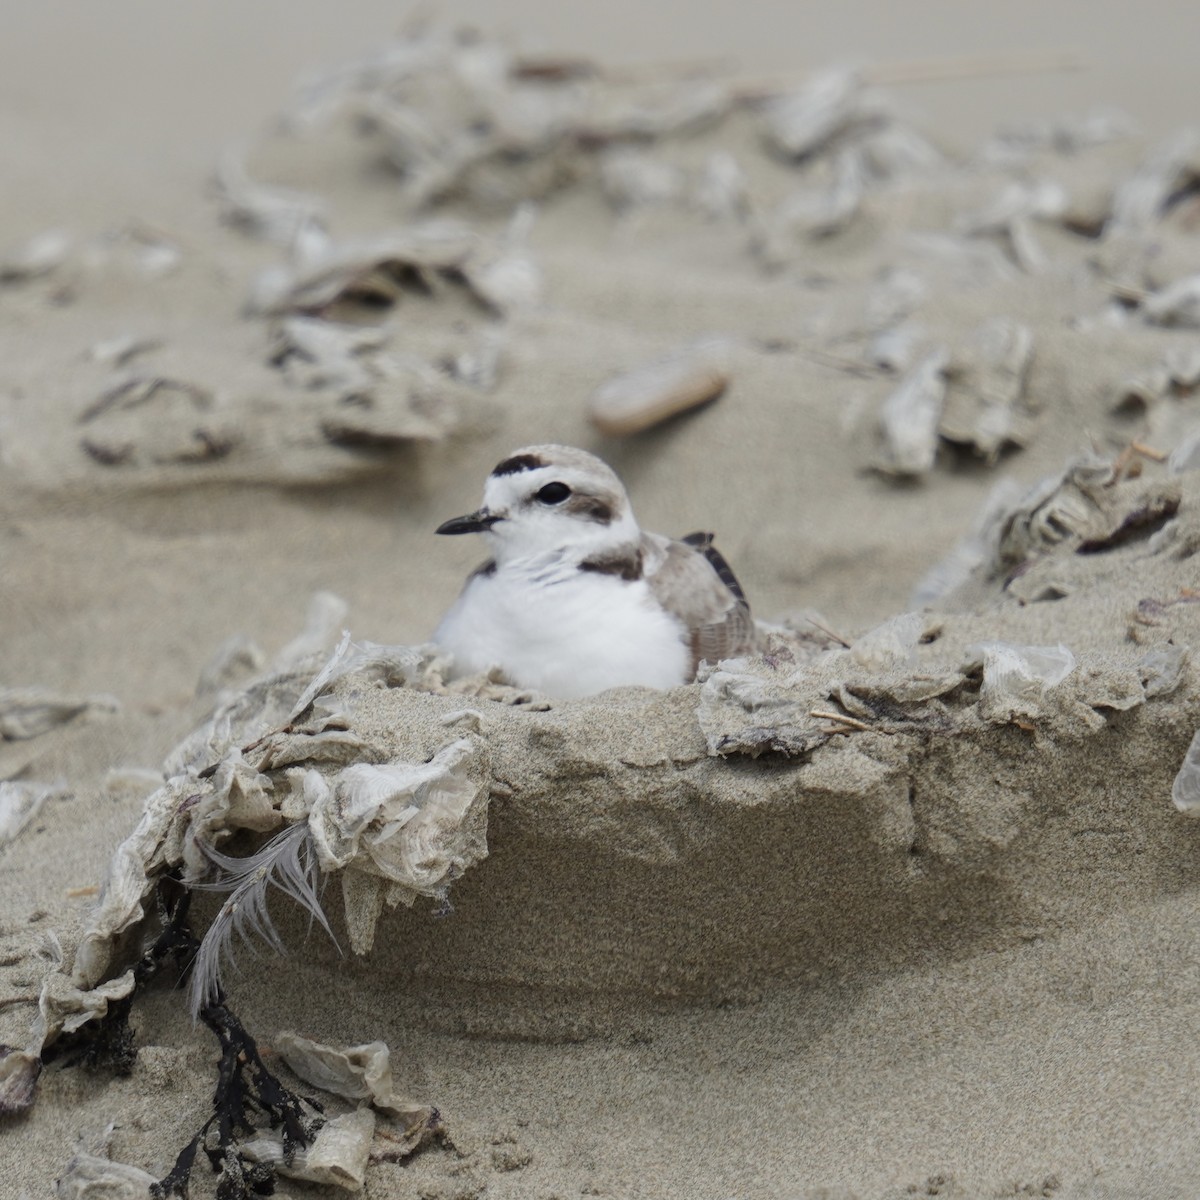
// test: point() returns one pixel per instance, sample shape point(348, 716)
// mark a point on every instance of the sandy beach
point(900, 907)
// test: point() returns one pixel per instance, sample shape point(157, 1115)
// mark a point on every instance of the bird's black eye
point(552, 493)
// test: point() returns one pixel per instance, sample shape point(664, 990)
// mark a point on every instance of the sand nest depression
point(968, 380)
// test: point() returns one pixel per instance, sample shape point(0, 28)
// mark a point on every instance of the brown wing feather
point(693, 581)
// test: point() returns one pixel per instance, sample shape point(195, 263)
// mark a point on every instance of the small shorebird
point(575, 597)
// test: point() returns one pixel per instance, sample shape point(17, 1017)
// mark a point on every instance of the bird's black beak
point(476, 522)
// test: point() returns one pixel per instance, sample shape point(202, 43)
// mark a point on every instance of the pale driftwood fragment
point(639, 399)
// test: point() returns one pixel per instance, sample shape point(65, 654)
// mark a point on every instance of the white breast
point(567, 635)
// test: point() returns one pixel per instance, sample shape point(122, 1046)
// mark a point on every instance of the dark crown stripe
point(518, 462)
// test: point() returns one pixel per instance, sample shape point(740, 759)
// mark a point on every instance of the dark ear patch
point(591, 508)
point(518, 462)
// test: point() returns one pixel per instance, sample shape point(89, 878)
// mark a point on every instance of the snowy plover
point(576, 598)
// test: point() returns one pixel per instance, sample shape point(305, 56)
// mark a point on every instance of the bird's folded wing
point(692, 581)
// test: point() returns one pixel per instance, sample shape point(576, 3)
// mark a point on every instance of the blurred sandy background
point(125, 100)
point(1001, 1053)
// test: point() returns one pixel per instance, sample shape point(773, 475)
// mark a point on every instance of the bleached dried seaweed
point(235, 660)
point(977, 548)
point(815, 211)
point(30, 712)
point(1176, 376)
point(505, 276)
point(1068, 135)
point(95, 1177)
point(417, 826)
point(1186, 454)
point(987, 405)
point(40, 255)
point(286, 862)
point(316, 353)
point(275, 214)
point(117, 351)
point(337, 1156)
point(803, 122)
point(967, 262)
point(187, 427)
point(909, 418)
point(1085, 506)
point(656, 391)
point(721, 191)
point(632, 178)
point(890, 646)
point(479, 364)
point(20, 803)
point(361, 1073)
point(1015, 678)
point(374, 270)
point(659, 110)
point(19, 1071)
point(1175, 306)
point(1162, 669)
point(1185, 791)
point(742, 711)
point(1142, 199)
point(1009, 217)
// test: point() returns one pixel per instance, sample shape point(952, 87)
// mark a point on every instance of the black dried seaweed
point(247, 1098)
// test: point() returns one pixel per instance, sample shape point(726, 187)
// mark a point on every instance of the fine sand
point(719, 947)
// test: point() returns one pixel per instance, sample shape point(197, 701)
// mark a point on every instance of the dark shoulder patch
point(518, 463)
point(484, 569)
point(627, 565)
point(704, 543)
